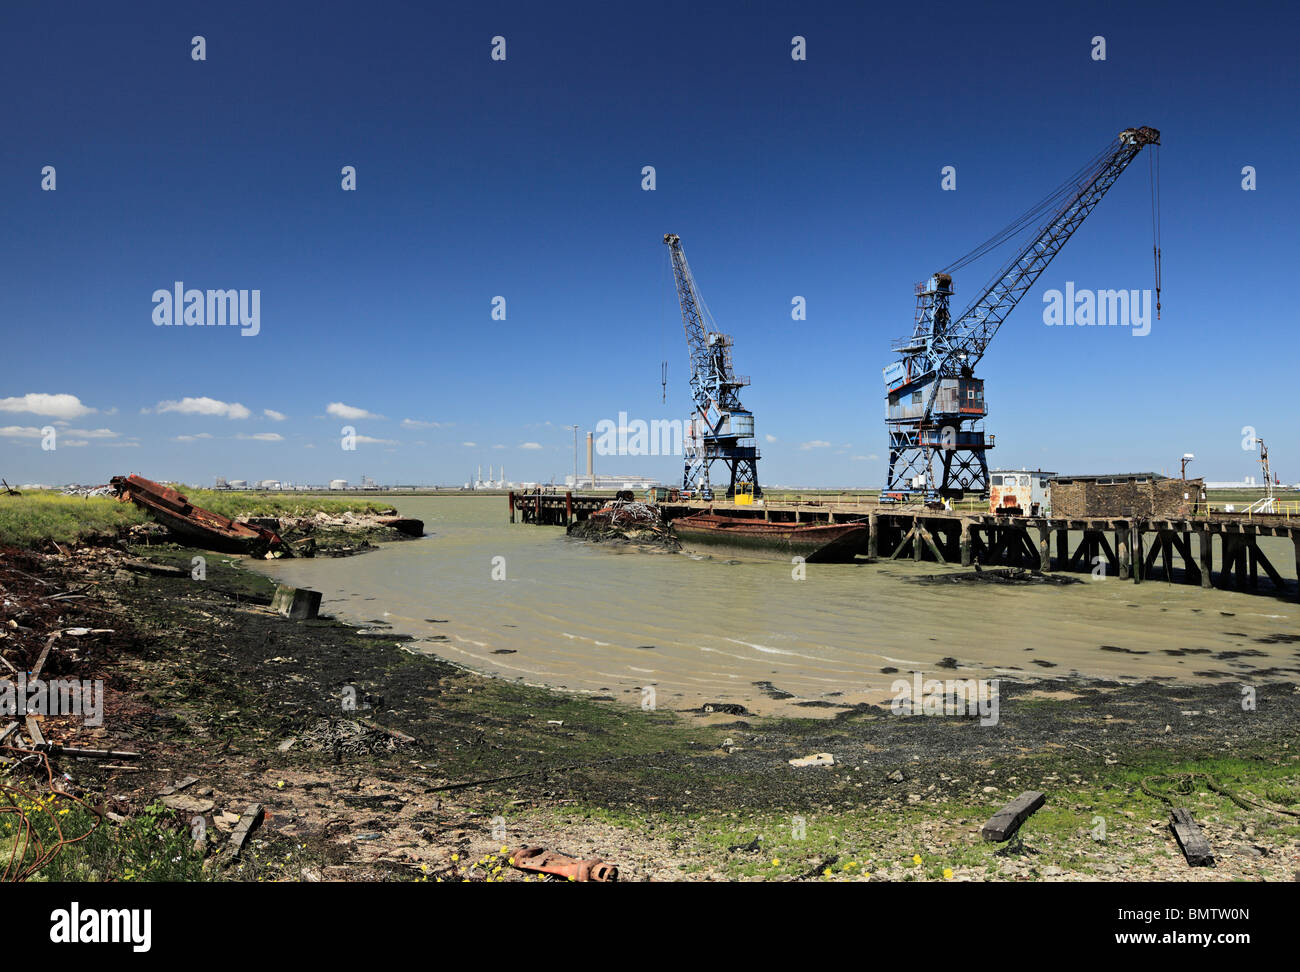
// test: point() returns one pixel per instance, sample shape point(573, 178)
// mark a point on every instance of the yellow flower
point(947, 874)
point(916, 859)
point(455, 857)
point(827, 872)
point(776, 862)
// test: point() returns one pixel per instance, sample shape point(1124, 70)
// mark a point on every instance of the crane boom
point(721, 428)
point(934, 399)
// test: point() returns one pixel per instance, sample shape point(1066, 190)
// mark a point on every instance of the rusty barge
point(206, 529)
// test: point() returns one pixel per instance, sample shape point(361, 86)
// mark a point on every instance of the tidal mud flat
point(439, 767)
point(609, 619)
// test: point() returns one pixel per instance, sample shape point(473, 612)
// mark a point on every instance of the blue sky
point(522, 178)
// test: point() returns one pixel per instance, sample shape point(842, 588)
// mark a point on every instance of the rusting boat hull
point(191, 523)
point(814, 542)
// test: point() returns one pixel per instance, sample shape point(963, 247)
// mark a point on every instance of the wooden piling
point(1205, 547)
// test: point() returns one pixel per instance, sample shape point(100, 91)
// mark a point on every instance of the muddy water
point(611, 621)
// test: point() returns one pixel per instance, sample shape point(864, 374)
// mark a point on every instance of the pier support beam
point(1044, 548)
point(1295, 539)
point(512, 506)
point(966, 543)
point(873, 536)
point(1205, 548)
point(1136, 547)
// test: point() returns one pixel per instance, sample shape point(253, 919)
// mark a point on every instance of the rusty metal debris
point(626, 513)
point(541, 861)
point(211, 530)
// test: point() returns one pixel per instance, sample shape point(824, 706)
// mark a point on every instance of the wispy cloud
point(349, 412)
point(273, 415)
point(409, 423)
point(530, 445)
point(262, 437)
point(814, 444)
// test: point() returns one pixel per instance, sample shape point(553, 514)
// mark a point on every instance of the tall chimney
point(590, 478)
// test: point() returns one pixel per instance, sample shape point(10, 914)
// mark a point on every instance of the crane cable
point(1031, 216)
point(1154, 176)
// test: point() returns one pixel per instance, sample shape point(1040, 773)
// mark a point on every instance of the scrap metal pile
point(629, 514)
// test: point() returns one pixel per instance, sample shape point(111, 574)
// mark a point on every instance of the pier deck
point(1129, 548)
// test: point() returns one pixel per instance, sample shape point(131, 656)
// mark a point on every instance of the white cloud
point(814, 444)
point(205, 406)
point(870, 458)
point(273, 415)
point(73, 443)
point(56, 406)
point(349, 412)
point(192, 438)
point(470, 445)
point(20, 431)
point(770, 438)
point(369, 440)
point(418, 424)
point(530, 445)
point(92, 433)
point(262, 437)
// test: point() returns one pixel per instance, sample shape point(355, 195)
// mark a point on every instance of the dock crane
point(720, 428)
point(935, 402)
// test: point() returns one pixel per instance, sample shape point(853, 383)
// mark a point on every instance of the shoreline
point(206, 682)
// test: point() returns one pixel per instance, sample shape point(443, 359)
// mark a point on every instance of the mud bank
point(437, 768)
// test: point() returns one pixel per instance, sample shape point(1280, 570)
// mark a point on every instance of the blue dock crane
point(935, 404)
point(720, 428)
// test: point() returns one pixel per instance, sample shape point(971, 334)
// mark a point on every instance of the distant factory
point(605, 480)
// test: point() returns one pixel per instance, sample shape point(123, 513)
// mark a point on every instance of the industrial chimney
point(591, 481)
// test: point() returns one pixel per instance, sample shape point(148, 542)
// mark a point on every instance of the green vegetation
point(39, 516)
point(233, 504)
point(152, 846)
point(1088, 827)
point(36, 517)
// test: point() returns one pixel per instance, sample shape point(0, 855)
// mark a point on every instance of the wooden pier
point(1171, 549)
point(553, 509)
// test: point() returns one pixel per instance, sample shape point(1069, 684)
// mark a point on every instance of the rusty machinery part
point(29, 820)
point(541, 861)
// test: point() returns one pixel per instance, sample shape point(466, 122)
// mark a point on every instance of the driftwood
point(1004, 824)
point(251, 818)
point(1193, 843)
point(54, 749)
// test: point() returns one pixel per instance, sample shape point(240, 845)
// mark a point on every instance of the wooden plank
point(251, 818)
point(34, 730)
point(1193, 843)
point(45, 653)
point(1004, 824)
